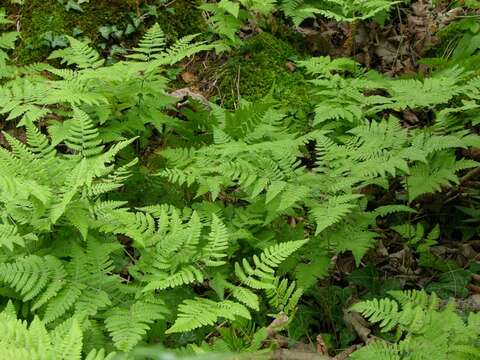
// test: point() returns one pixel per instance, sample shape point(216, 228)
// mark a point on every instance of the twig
point(347, 352)
point(286, 354)
point(238, 86)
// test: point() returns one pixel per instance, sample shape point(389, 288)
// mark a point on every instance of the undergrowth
point(135, 224)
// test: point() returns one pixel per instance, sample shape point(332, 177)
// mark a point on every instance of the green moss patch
point(45, 22)
point(182, 17)
point(264, 64)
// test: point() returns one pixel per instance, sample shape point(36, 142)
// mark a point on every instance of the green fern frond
point(378, 350)
point(393, 209)
point(79, 53)
point(152, 42)
point(284, 296)
point(385, 311)
point(416, 298)
point(33, 276)
point(330, 213)
point(182, 49)
point(202, 312)
point(214, 251)
point(245, 296)
point(430, 177)
point(27, 342)
point(186, 275)
point(127, 326)
point(261, 275)
point(83, 136)
point(9, 236)
point(62, 302)
point(39, 143)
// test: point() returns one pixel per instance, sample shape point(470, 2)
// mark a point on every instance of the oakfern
point(429, 332)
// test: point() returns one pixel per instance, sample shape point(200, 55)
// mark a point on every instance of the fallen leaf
point(189, 77)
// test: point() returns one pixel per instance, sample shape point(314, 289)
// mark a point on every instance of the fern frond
point(245, 296)
point(261, 275)
point(415, 297)
point(79, 53)
point(186, 275)
point(332, 212)
point(214, 251)
point(385, 311)
point(33, 275)
point(63, 302)
point(83, 136)
point(202, 312)
point(152, 42)
point(127, 326)
point(393, 209)
point(378, 350)
point(284, 296)
point(26, 342)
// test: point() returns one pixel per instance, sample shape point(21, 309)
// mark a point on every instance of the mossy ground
point(182, 18)
point(38, 18)
point(263, 64)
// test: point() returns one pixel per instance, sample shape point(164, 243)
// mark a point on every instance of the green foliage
point(21, 340)
point(232, 216)
point(228, 16)
point(259, 67)
point(338, 10)
point(429, 332)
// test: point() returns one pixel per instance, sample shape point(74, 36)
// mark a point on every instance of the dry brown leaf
point(189, 77)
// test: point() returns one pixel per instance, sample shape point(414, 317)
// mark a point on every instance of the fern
point(212, 246)
point(429, 332)
point(83, 137)
point(284, 296)
point(430, 177)
point(9, 236)
point(384, 311)
point(217, 244)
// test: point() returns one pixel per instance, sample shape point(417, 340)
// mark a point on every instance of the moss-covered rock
point(44, 21)
point(262, 65)
point(41, 20)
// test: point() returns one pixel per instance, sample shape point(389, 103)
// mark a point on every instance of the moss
point(260, 67)
point(182, 17)
point(41, 17)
